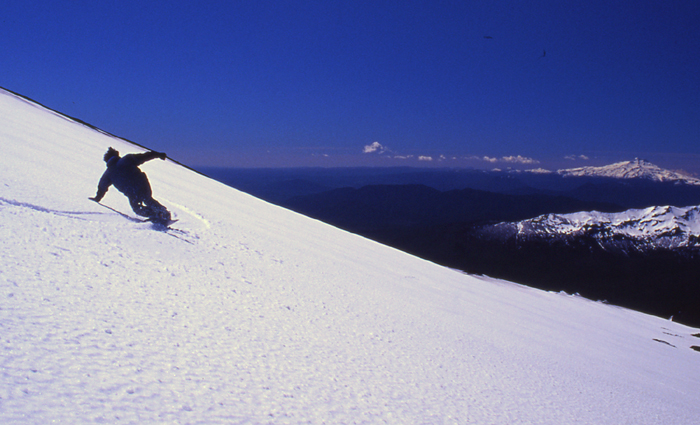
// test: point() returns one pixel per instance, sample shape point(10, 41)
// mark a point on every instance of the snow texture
point(637, 169)
point(247, 313)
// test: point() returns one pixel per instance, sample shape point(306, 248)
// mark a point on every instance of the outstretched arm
point(102, 187)
point(140, 158)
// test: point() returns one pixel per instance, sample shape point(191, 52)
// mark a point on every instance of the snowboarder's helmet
point(111, 152)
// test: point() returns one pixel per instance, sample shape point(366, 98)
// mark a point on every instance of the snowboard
point(155, 221)
point(159, 222)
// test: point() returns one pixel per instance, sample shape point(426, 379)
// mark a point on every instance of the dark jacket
point(125, 175)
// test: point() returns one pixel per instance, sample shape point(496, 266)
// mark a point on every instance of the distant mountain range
point(490, 197)
point(629, 184)
point(641, 230)
point(637, 169)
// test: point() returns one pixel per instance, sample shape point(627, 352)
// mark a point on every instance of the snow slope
point(254, 314)
point(637, 169)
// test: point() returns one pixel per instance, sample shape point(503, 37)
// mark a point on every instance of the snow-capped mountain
point(637, 169)
point(651, 228)
point(249, 313)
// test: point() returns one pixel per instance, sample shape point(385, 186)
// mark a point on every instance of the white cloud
point(375, 147)
point(575, 157)
point(425, 158)
point(539, 171)
point(520, 160)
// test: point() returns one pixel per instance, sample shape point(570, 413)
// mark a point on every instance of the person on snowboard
point(125, 175)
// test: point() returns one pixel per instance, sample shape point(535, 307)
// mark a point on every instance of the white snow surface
point(252, 314)
point(637, 169)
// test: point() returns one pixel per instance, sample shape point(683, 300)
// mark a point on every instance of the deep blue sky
point(287, 83)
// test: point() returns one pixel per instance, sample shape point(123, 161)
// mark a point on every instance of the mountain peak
point(635, 169)
point(666, 227)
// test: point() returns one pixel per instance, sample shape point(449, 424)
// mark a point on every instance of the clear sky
point(485, 84)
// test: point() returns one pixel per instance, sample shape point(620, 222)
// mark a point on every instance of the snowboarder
point(125, 175)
